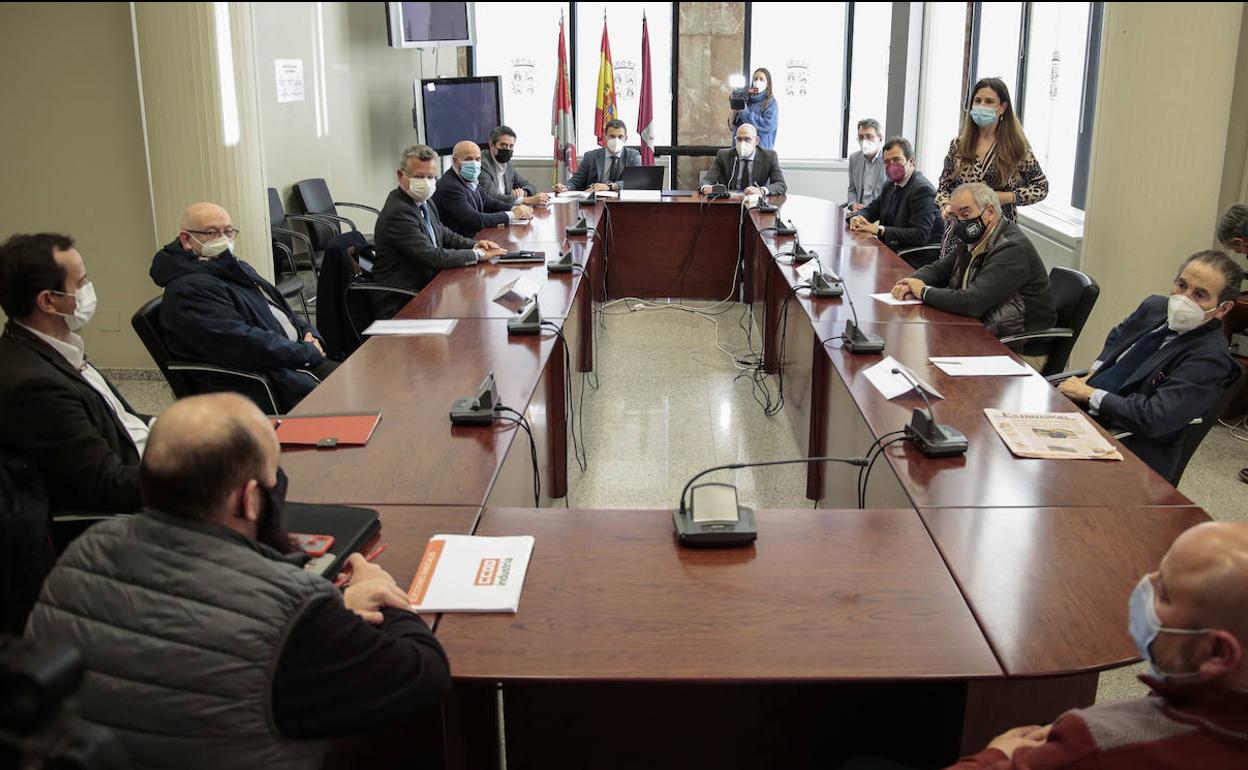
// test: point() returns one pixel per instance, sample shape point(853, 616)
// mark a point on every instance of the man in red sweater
point(1190, 621)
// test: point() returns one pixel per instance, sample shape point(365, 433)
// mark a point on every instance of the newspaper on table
point(1051, 435)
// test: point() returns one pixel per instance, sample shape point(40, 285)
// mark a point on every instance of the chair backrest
point(1074, 296)
point(146, 323)
point(313, 195)
point(1196, 433)
point(277, 218)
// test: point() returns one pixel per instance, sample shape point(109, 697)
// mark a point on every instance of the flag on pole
point(562, 127)
point(604, 106)
point(645, 111)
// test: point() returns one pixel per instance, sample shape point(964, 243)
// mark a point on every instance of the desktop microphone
point(854, 338)
point(782, 229)
point(721, 522)
point(590, 200)
point(821, 287)
point(932, 439)
point(478, 409)
point(527, 320)
point(580, 228)
point(800, 255)
point(565, 263)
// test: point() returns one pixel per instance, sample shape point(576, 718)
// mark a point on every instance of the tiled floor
point(669, 404)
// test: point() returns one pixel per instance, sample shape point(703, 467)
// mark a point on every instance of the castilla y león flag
point(562, 127)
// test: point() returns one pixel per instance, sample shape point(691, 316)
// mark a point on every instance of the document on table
point(520, 222)
point(893, 385)
point(469, 573)
point(640, 195)
point(414, 328)
point(1051, 435)
point(889, 299)
point(981, 366)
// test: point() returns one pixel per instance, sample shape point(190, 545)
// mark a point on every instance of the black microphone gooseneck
point(860, 462)
point(931, 438)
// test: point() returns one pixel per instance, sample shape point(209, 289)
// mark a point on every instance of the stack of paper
point(893, 385)
point(413, 328)
point(981, 366)
point(889, 299)
point(466, 573)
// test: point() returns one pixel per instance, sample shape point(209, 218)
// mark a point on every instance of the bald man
point(218, 310)
point(746, 167)
point(462, 205)
point(1190, 621)
point(205, 643)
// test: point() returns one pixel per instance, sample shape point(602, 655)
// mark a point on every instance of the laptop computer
point(642, 178)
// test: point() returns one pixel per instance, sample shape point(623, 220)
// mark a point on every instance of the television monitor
point(429, 25)
point(449, 110)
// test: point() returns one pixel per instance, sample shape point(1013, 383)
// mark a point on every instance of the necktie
point(894, 196)
point(744, 180)
point(1111, 378)
point(613, 174)
point(428, 223)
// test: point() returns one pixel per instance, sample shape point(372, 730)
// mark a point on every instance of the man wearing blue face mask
point(1167, 363)
point(1190, 621)
point(59, 413)
point(462, 205)
point(218, 310)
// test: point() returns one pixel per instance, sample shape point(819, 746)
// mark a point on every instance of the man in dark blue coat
point(462, 205)
point(1167, 363)
point(218, 310)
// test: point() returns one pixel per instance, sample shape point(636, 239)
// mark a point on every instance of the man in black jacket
point(205, 642)
point(904, 214)
point(501, 179)
point(461, 203)
point(746, 167)
point(412, 243)
point(58, 412)
point(994, 274)
point(218, 310)
point(1167, 363)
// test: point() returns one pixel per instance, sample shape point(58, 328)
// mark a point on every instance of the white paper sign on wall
point(289, 80)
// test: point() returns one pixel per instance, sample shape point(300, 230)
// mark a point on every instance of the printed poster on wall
point(289, 80)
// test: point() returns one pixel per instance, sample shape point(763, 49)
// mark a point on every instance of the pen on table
point(343, 577)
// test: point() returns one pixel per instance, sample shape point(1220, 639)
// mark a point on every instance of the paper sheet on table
point(1051, 435)
point(470, 573)
point(807, 271)
point(421, 328)
point(889, 299)
point(980, 366)
point(893, 385)
point(640, 195)
point(607, 194)
point(569, 196)
point(520, 222)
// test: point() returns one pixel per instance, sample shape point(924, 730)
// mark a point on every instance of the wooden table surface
point(1050, 585)
point(469, 292)
point(823, 596)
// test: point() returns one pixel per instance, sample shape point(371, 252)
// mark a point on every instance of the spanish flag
point(604, 106)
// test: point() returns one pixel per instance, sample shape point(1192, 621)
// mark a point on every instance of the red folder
point(327, 430)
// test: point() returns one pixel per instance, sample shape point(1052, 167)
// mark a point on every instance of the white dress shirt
point(75, 353)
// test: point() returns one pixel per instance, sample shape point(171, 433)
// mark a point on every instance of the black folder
point(351, 528)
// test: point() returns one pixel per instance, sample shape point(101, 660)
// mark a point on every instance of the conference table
point(968, 595)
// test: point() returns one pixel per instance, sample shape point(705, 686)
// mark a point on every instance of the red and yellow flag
point(562, 126)
point(604, 105)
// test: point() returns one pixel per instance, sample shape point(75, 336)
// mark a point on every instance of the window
point(868, 94)
point(522, 48)
point(940, 84)
point(624, 33)
point(999, 29)
point(807, 61)
point(1052, 107)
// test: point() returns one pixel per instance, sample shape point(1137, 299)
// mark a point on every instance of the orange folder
point(327, 430)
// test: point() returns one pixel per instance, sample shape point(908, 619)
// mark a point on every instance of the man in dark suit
point(58, 411)
point(218, 310)
point(1167, 363)
point(600, 169)
point(412, 244)
point(500, 179)
point(904, 215)
point(746, 167)
point(461, 203)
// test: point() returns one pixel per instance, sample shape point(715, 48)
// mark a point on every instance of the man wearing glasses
point(218, 310)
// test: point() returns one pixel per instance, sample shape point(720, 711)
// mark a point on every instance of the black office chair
point(366, 302)
point(288, 281)
point(284, 235)
point(1074, 296)
point(918, 256)
point(313, 196)
point(146, 323)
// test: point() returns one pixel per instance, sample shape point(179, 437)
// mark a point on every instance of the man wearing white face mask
point(746, 167)
point(867, 175)
point(413, 245)
point(600, 169)
point(58, 412)
point(1167, 363)
point(1190, 621)
point(218, 310)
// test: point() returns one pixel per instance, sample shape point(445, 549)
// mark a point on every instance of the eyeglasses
point(228, 232)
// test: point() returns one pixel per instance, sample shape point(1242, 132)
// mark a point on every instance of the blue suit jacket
point(464, 210)
point(1175, 385)
point(594, 165)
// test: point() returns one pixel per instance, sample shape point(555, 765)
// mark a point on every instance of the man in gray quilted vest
point(205, 645)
